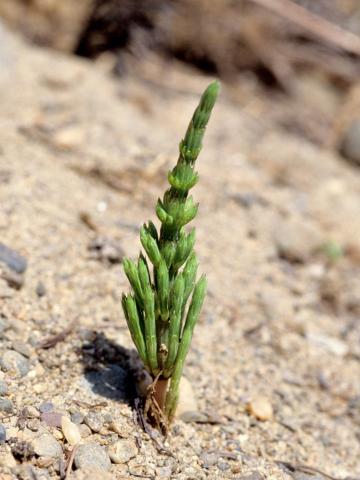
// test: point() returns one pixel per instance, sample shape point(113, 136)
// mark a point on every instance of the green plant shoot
point(166, 300)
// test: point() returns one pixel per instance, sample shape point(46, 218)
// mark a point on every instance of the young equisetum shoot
point(166, 299)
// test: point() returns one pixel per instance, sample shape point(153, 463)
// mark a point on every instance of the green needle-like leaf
point(132, 318)
point(150, 246)
point(163, 289)
point(149, 310)
point(175, 323)
point(189, 274)
point(133, 277)
point(191, 145)
point(191, 319)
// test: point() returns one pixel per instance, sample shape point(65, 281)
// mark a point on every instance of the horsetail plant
point(160, 317)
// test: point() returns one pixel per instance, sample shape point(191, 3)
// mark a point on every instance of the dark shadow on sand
point(109, 368)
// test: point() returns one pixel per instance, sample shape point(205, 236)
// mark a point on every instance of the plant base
point(155, 403)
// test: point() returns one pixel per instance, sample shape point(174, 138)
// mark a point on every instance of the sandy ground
point(280, 327)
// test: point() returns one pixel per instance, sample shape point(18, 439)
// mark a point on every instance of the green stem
point(191, 319)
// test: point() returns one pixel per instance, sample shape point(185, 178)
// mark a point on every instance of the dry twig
point(70, 463)
point(314, 24)
point(55, 339)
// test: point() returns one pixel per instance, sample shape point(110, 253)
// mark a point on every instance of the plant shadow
point(110, 370)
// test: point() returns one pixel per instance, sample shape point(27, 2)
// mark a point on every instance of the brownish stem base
point(160, 390)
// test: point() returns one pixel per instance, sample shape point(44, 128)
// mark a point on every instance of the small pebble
point(260, 408)
point(92, 455)
point(296, 240)
point(44, 462)
point(223, 466)
point(33, 424)
point(14, 362)
point(46, 407)
point(47, 446)
point(122, 450)
point(6, 405)
point(40, 289)
point(187, 400)
point(84, 430)
point(52, 419)
point(68, 138)
point(57, 434)
point(3, 388)
point(77, 417)
point(2, 434)
point(40, 388)
point(31, 412)
point(21, 347)
point(93, 421)
point(13, 279)
point(193, 417)
point(107, 417)
point(106, 250)
point(209, 459)
point(12, 259)
point(118, 428)
point(71, 431)
point(200, 417)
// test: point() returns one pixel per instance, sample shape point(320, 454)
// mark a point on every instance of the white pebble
point(70, 430)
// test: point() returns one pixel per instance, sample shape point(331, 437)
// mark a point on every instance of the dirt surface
point(275, 362)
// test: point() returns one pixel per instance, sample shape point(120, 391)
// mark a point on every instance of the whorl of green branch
point(156, 312)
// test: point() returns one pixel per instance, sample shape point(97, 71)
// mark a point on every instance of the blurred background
point(301, 52)
point(94, 97)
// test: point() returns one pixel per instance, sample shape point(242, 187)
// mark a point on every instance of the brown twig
point(310, 470)
point(83, 404)
point(314, 24)
point(87, 220)
point(70, 463)
point(147, 429)
point(330, 63)
point(55, 339)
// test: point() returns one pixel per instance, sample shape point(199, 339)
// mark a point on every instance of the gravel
point(261, 408)
point(6, 405)
point(77, 417)
point(31, 412)
point(22, 348)
point(84, 430)
point(47, 446)
point(12, 361)
point(71, 431)
point(92, 455)
point(94, 421)
point(122, 451)
point(46, 407)
point(238, 351)
point(52, 419)
point(12, 259)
